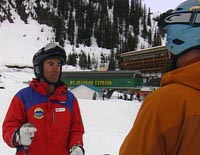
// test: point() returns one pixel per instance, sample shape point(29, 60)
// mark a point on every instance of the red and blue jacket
point(57, 118)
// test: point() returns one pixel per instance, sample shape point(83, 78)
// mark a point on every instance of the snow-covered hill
point(19, 42)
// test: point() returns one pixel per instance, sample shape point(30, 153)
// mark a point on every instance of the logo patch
point(38, 113)
point(60, 109)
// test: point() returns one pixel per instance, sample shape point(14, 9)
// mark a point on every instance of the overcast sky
point(162, 5)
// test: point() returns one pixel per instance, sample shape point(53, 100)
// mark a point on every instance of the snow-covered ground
point(106, 122)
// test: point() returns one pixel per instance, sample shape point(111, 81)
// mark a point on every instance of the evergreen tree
point(114, 35)
point(135, 14)
point(156, 39)
point(71, 29)
point(89, 24)
point(59, 26)
point(80, 22)
point(21, 10)
point(63, 8)
point(132, 43)
point(89, 63)
point(149, 35)
point(149, 18)
point(108, 35)
point(112, 62)
point(126, 18)
point(103, 24)
point(144, 31)
point(72, 59)
point(114, 23)
point(110, 4)
point(82, 60)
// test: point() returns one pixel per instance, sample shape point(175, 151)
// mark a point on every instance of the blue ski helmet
point(51, 50)
point(182, 26)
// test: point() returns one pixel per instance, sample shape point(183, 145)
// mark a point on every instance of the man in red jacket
point(44, 118)
point(168, 121)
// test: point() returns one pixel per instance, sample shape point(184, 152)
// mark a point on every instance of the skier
point(44, 118)
point(168, 121)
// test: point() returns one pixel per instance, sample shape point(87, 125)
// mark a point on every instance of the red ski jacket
point(57, 119)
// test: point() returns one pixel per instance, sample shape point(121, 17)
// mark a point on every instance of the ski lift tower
point(2, 83)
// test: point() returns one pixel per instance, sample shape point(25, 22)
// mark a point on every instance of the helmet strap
point(173, 62)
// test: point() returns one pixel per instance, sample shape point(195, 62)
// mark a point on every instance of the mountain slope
point(94, 27)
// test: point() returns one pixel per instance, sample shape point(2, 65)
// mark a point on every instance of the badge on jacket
point(38, 113)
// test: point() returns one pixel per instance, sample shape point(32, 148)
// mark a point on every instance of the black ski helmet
point(51, 50)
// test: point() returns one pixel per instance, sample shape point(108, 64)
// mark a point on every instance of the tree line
point(118, 25)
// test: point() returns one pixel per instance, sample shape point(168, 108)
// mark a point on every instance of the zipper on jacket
point(53, 117)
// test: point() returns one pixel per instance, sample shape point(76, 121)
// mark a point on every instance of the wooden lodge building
point(151, 62)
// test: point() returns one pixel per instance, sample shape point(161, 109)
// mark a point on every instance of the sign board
point(104, 82)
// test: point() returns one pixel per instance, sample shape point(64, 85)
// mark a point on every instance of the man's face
point(52, 69)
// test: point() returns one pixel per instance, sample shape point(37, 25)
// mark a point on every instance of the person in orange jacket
point(168, 121)
point(44, 118)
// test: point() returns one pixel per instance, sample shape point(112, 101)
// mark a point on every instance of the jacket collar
point(188, 75)
point(42, 88)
